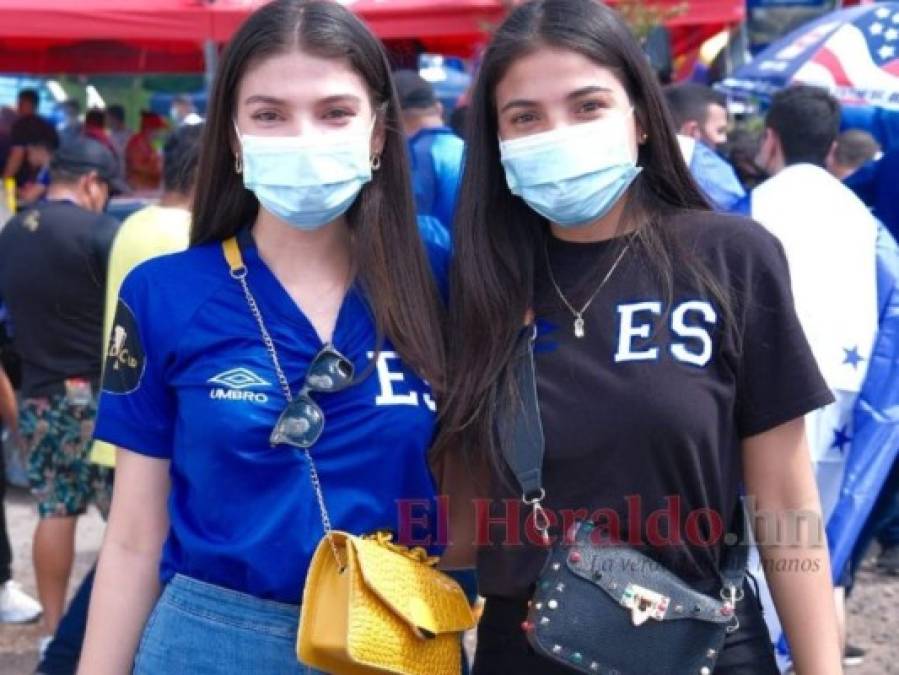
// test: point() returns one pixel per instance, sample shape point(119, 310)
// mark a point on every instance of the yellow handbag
point(371, 606)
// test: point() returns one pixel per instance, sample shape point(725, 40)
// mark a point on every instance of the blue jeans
point(200, 629)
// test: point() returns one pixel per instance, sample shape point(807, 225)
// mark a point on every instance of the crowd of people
point(699, 305)
point(28, 142)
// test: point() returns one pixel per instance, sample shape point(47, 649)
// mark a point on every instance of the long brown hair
point(392, 265)
point(497, 236)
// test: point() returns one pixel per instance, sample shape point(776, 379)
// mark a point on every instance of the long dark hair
point(391, 262)
point(497, 236)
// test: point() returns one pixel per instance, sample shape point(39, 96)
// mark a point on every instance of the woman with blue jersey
point(666, 365)
point(322, 335)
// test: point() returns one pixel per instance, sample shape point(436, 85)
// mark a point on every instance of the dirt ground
point(873, 613)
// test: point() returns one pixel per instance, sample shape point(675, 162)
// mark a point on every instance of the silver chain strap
point(241, 276)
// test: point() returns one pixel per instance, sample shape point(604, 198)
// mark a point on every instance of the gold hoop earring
point(238, 165)
point(376, 162)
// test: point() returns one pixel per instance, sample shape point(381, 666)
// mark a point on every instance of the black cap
point(82, 155)
point(414, 91)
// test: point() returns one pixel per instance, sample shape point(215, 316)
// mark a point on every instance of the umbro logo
point(233, 383)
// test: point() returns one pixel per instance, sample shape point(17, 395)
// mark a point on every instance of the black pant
point(503, 648)
point(5, 549)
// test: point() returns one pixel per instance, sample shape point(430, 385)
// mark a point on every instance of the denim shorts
point(200, 629)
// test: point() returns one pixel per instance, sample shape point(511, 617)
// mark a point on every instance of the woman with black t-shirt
point(672, 373)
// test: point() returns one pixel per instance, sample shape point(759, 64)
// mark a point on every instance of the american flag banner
point(854, 53)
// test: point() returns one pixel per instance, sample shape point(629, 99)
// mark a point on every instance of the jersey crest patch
point(125, 358)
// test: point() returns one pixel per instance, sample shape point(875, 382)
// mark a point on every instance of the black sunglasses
point(302, 422)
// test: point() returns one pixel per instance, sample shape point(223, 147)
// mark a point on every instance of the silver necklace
point(579, 331)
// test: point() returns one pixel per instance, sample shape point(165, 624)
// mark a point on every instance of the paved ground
point(874, 617)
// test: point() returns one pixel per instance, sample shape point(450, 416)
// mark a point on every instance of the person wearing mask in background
point(578, 216)
point(53, 259)
point(118, 132)
point(156, 230)
point(853, 149)
point(27, 129)
point(143, 162)
point(38, 155)
point(435, 151)
point(70, 127)
point(830, 240)
point(184, 111)
point(700, 119)
point(15, 605)
point(304, 178)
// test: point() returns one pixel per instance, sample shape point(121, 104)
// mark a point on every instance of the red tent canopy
point(103, 36)
point(125, 36)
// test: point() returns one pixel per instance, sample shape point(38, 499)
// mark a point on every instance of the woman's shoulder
point(714, 235)
point(176, 282)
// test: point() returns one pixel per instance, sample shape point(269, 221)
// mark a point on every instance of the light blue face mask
point(574, 175)
point(306, 182)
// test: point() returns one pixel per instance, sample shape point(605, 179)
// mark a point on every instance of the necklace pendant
point(579, 327)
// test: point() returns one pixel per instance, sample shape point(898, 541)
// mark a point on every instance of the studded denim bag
point(604, 609)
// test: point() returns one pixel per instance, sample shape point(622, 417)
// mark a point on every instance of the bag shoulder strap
point(523, 448)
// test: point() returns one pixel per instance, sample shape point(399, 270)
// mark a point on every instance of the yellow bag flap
point(425, 598)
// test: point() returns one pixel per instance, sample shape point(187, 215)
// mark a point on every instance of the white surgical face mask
point(307, 181)
point(574, 175)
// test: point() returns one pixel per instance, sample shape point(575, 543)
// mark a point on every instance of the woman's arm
point(789, 529)
point(9, 415)
point(127, 582)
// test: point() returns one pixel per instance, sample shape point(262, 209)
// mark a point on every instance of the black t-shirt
point(647, 411)
point(31, 130)
point(53, 260)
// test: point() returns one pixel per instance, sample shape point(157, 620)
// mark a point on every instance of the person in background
point(70, 127)
point(95, 127)
point(741, 149)
point(53, 260)
point(15, 605)
point(27, 129)
point(184, 111)
point(700, 119)
point(38, 155)
point(457, 119)
point(118, 132)
point(830, 240)
point(7, 119)
point(435, 150)
point(699, 113)
point(153, 231)
point(875, 184)
point(853, 149)
point(143, 162)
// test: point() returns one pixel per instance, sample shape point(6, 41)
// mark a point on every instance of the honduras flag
point(829, 238)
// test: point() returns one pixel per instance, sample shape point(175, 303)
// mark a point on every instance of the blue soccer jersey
point(188, 379)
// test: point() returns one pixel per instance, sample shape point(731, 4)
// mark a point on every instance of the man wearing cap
point(435, 151)
point(53, 259)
